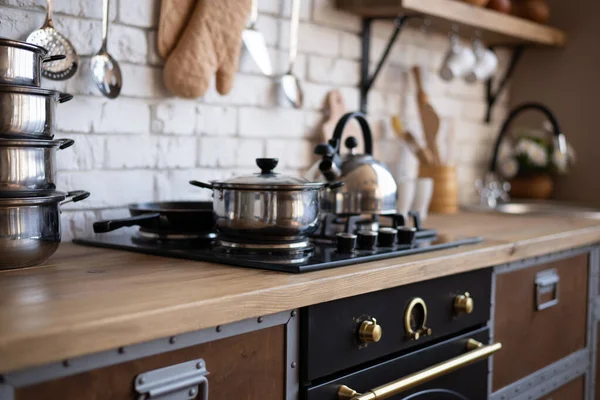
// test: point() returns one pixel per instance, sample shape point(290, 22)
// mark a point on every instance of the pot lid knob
point(351, 143)
point(267, 165)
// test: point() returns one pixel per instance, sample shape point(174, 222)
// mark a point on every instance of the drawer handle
point(477, 352)
point(546, 282)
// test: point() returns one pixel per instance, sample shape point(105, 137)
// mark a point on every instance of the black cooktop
point(320, 255)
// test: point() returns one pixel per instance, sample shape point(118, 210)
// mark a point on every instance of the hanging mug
point(486, 63)
point(459, 61)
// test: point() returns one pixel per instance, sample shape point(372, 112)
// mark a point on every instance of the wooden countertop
point(85, 299)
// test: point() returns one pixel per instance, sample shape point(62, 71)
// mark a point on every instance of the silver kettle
point(369, 187)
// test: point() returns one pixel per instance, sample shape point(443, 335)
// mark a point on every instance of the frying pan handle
point(202, 185)
point(56, 57)
point(144, 220)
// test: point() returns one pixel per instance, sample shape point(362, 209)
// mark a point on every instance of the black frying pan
point(165, 217)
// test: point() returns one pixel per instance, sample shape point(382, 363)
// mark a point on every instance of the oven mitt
point(210, 43)
point(174, 16)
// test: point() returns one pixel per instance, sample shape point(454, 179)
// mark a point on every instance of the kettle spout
point(330, 170)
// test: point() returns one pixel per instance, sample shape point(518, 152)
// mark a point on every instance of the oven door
point(455, 369)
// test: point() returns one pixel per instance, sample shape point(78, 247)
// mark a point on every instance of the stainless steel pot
point(267, 206)
point(30, 228)
point(28, 167)
point(27, 112)
point(21, 62)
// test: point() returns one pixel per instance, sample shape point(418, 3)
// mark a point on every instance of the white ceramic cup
point(422, 197)
point(459, 61)
point(485, 66)
point(406, 195)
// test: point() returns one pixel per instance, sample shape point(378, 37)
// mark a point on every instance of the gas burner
point(174, 240)
point(284, 246)
point(267, 253)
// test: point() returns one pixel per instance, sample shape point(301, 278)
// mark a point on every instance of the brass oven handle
point(477, 352)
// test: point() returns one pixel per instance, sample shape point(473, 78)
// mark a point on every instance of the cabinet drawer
point(249, 366)
point(329, 330)
point(573, 390)
point(532, 339)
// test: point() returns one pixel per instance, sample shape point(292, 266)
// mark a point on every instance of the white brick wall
point(147, 145)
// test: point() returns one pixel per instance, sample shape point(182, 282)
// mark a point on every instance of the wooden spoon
point(423, 154)
point(429, 118)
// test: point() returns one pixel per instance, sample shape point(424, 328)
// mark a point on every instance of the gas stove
point(340, 241)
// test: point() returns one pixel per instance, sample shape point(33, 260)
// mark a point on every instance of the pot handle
point(334, 185)
point(364, 125)
point(202, 185)
point(75, 196)
point(150, 220)
point(64, 97)
point(65, 143)
point(56, 57)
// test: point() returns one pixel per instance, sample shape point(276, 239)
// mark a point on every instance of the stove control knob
point(406, 235)
point(367, 240)
point(386, 237)
point(346, 242)
point(369, 331)
point(463, 303)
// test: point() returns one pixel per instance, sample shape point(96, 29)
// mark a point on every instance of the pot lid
point(23, 45)
point(267, 179)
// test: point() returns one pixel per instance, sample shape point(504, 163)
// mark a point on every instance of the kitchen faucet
point(492, 188)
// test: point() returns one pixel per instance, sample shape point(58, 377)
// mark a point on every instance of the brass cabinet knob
point(463, 303)
point(369, 331)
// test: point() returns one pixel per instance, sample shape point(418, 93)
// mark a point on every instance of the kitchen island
point(87, 300)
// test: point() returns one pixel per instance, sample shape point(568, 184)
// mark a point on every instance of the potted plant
point(530, 163)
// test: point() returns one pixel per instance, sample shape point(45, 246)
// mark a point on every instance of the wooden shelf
point(495, 28)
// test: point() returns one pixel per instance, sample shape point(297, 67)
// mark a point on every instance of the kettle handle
point(364, 125)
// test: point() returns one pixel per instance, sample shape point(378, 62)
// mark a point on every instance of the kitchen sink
point(540, 208)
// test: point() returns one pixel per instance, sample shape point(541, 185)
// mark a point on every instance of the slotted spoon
point(56, 44)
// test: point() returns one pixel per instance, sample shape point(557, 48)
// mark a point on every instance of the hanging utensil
point(429, 118)
point(423, 154)
point(255, 43)
point(105, 69)
point(290, 82)
point(56, 44)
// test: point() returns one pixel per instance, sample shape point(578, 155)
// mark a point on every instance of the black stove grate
point(324, 254)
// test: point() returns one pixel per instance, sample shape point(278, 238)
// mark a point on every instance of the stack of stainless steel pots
point(29, 202)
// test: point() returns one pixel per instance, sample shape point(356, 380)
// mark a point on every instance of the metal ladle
point(105, 69)
point(290, 82)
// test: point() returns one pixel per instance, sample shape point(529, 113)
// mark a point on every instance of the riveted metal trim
point(119, 355)
point(546, 379)
point(546, 258)
point(592, 331)
point(490, 325)
point(7, 392)
point(292, 356)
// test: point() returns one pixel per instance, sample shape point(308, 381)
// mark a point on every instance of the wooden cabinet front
point(534, 339)
point(574, 390)
point(245, 367)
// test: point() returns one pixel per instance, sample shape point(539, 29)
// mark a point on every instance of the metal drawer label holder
point(546, 282)
point(178, 382)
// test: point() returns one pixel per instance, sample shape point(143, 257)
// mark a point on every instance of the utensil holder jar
point(445, 188)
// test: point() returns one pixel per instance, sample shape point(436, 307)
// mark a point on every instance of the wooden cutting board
point(429, 118)
point(334, 110)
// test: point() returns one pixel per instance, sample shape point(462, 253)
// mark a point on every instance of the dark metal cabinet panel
point(469, 382)
point(534, 339)
point(329, 329)
point(246, 367)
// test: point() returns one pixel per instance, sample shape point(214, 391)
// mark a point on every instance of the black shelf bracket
point(366, 80)
point(490, 95)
